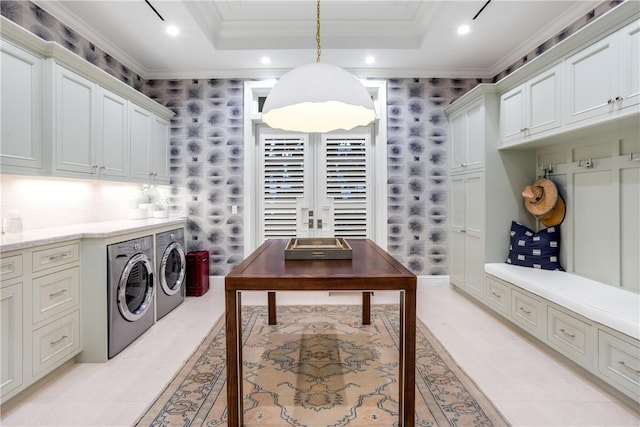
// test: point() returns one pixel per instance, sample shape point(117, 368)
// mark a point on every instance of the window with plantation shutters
point(283, 178)
point(314, 185)
point(346, 163)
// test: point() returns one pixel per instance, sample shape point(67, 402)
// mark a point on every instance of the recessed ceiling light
point(370, 59)
point(172, 30)
point(463, 29)
point(265, 60)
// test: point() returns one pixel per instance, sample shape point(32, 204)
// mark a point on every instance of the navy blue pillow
point(537, 250)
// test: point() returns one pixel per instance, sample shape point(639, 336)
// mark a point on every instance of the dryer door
point(135, 289)
point(172, 269)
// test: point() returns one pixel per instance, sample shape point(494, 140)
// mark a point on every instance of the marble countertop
point(30, 238)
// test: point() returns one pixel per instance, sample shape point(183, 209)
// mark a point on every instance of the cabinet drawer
point(56, 343)
point(528, 313)
point(619, 361)
point(11, 267)
point(54, 293)
point(53, 257)
point(498, 295)
point(571, 337)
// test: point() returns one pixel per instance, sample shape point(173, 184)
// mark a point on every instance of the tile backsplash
point(49, 202)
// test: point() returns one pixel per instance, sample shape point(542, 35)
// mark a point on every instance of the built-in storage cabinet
point(101, 134)
point(602, 80)
point(610, 355)
point(532, 108)
point(40, 297)
point(74, 122)
point(467, 130)
point(112, 135)
point(21, 149)
point(63, 116)
point(11, 337)
point(467, 227)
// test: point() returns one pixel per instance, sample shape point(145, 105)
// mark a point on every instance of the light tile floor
point(528, 384)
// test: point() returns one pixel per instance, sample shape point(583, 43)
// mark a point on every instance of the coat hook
point(585, 163)
point(546, 170)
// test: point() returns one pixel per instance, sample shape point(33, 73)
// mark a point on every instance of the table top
point(371, 268)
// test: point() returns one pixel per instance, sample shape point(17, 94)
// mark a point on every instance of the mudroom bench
point(593, 324)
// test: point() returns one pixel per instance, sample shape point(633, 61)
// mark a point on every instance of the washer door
point(135, 289)
point(172, 269)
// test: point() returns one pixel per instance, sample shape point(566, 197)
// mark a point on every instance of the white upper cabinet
point(113, 135)
point(467, 138)
point(141, 142)
point(629, 71)
point(74, 122)
point(602, 80)
point(160, 150)
point(532, 108)
point(149, 146)
point(21, 109)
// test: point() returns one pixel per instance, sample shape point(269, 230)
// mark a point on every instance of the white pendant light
point(318, 97)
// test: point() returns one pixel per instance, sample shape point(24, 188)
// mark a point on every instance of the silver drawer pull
point(624, 365)
point(524, 311)
point(572, 336)
point(58, 257)
point(496, 295)
point(7, 268)
point(62, 338)
point(56, 293)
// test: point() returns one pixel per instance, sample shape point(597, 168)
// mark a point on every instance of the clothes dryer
point(171, 261)
point(130, 292)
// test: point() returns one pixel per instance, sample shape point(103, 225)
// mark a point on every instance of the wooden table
point(371, 269)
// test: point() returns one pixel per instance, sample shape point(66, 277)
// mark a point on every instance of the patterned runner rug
point(321, 367)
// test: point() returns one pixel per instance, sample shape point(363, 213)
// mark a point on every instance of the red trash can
point(197, 273)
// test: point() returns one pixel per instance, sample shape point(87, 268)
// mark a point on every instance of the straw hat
point(543, 201)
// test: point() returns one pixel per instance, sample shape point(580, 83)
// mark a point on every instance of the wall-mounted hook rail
point(588, 163)
point(546, 169)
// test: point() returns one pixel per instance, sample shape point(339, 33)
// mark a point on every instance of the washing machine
point(130, 292)
point(171, 261)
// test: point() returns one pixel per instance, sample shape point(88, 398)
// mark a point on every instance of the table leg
point(271, 308)
point(407, 371)
point(233, 330)
point(366, 308)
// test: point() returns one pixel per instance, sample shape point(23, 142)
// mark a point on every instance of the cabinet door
point(11, 338)
point(590, 80)
point(474, 220)
point(141, 131)
point(113, 136)
point(74, 122)
point(456, 273)
point(160, 150)
point(629, 40)
point(512, 115)
point(20, 108)
point(458, 140)
point(467, 138)
point(543, 97)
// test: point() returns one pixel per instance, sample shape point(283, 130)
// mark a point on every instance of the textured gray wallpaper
point(207, 142)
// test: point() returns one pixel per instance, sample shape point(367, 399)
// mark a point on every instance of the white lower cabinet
point(572, 337)
point(528, 313)
point(498, 296)
point(11, 338)
point(619, 362)
point(610, 355)
point(40, 313)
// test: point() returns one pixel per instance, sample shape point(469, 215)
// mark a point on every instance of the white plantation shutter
point(283, 179)
point(347, 183)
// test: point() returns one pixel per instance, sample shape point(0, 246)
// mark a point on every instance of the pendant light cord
point(318, 31)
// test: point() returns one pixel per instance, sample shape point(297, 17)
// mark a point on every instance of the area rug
point(319, 366)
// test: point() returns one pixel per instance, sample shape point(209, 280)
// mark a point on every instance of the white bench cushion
point(616, 308)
